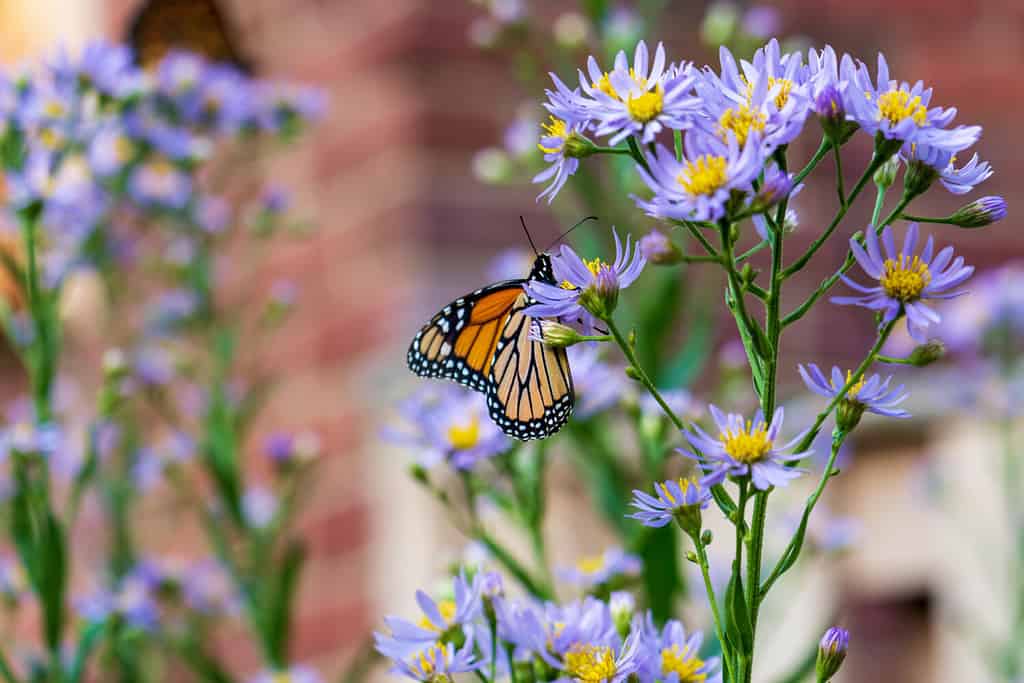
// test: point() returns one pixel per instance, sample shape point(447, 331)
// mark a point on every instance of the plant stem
point(818, 156)
point(839, 174)
point(705, 570)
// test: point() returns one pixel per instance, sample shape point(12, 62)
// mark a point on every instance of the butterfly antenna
point(530, 239)
point(578, 224)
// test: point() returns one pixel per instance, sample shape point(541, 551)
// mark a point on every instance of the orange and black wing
point(530, 393)
point(199, 26)
point(459, 342)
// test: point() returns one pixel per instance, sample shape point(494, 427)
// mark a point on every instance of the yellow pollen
point(590, 663)
point(851, 395)
point(428, 661)
point(684, 485)
point(647, 106)
point(747, 445)
point(605, 86)
point(54, 109)
point(905, 280)
point(591, 564)
point(595, 265)
point(785, 86)
point(463, 436)
point(704, 175)
point(555, 129)
point(447, 610)
point(741, 120)
point(897, 105)
point(682, 662)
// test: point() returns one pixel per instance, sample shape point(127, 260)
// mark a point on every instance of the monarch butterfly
point(198, 26)
point(482, 340)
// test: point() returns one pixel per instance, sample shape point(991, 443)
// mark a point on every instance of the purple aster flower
point(296, 673)
point(941, 163)
point(179, 73)
point(642, 99)
point(672, 498)
point(448, 424)
point(656, 247)
point(899, 111)
point(439, 616)
point(437, 662)
point(872, 394)
point(259, 507)
point(979, 213)
point(595, 570)
point(275, 199)
point(110, 151)
point(761, 21)
point(30, 438)
point(600, 663)
point(550, 631)
point(171, 308)
point(744, 448)
point(212, 214)
point(207, 587)
point(698, 186)
point(158, 182)
point(673, 656)
point(767, 97)
point(588, 288)
point(905, 280)
point(557, 144)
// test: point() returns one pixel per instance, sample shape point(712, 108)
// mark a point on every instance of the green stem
point(699, 236)
point(598, 149)
point(705, 570)
point(827, 284)
point(638, 156)
point(722, 498)
point(879, 203)
point(823, 149)
point(799, 264)
point(839, 174)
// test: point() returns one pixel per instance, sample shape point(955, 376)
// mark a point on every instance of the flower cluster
point(590, 640)
point(733, 119)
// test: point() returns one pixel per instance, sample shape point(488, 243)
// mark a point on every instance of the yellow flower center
point(281, 677)
point(851, 395)
point(704, 175)
point(647, 106)
point(905, 280)
point(556, 128)
point(741, 120)
point(682, 662)
point(684, 486)
point(429, 661)
point(604, 84)
point(897, 105)
point(464, 436)
point(590, 565)
point(590, 663)
point(53, 109)
point(785, 86)
point(747, 445)
point(447, 610)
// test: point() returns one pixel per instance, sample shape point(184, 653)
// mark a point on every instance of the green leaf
point(738, 628)
point(86, 643)
point(662, 578)
point(279, 608)
point(52, 551)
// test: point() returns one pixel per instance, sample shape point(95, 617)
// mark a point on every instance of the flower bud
point(579, 146)
point(555, 334)
point(979, 213)
point(885, 176)
point(831, 112)
point(848, 414)
point(692, 557)
point(706, 537)
point(601, 297)
point(927, 353)
point(659, 249)
point(831, 652)
point(918, 178)
point(622, 605)
point(114, 363)
point(777, 186)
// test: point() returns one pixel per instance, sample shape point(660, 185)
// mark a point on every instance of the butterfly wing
point(459, 342)
point(530, 393)
point(198, 26)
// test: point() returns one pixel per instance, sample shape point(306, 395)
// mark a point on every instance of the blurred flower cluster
point(114, 175)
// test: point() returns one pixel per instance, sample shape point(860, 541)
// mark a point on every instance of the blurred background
point(416, 178)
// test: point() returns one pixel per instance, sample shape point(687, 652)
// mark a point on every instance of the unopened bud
point(632, 373)
point(885, 176)
point(918, 178)
point(578, 146)
point(831, 112)
point(927, 353)
point(657, 248)
point(848, 414)
point(622, 605)
point(777, 186)
point(114, 363)
point(831, 652)
point(979, 213)
point(692, 557)
point(419, 473)
point(706, 537)
point(555, 334)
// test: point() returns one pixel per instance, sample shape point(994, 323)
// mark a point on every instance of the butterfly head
point(542, 269)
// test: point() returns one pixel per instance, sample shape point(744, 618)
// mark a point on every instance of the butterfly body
point(482, 340)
